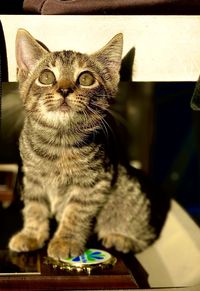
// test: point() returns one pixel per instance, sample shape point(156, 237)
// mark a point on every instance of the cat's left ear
point(111, 54)
point(28, 50)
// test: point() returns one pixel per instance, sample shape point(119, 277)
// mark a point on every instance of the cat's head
point(64, 86)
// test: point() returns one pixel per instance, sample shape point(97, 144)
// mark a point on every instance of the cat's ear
point(28, 50)
point(111, 54)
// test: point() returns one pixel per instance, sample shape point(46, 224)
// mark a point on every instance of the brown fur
point(68, 173)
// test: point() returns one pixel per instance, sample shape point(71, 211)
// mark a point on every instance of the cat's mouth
point(64, 107)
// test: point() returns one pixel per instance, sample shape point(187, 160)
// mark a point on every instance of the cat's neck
point(61, 135)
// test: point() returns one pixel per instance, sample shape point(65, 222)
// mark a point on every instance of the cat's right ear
point(28, 51)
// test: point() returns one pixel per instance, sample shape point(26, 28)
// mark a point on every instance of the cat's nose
point(64, 91)
point(64, 87)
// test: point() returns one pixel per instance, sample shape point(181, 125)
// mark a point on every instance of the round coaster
point(89, 257)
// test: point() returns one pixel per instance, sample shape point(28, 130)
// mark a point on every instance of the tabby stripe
point(44, 124)
point(83, 202)
point(28, 91)
point(42, 153)
point(55, 142)
point(46, 141)
point(33, 180)
point(40, 199)
point(76, 219)
point(68, 236)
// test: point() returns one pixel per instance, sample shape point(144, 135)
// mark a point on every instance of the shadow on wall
point(176, 150)
point(160, 130)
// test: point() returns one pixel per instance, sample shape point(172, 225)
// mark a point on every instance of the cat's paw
point(60, 248)
point(119, 242)
point(21, 242)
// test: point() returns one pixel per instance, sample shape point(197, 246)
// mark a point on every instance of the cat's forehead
point(68, 62)
point(69, 59)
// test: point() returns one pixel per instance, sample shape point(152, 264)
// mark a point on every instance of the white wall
point(167, 47)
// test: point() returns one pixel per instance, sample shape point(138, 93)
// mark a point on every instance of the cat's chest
point(70, 164)
point(76, 166)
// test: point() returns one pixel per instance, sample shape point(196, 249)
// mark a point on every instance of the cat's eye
point(86, 79)
point(47, 77)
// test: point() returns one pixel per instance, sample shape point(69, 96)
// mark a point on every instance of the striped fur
point(68, 171)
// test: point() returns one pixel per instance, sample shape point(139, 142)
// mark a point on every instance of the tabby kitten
point(70, 171)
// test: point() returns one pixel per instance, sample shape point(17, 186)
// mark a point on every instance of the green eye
point(86, 79)
point(47, 77)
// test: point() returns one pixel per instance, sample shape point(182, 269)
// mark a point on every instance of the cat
point(71, 163)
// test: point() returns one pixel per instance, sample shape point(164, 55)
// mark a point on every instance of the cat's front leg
point(72, 233)
point(76, 221)
point(35, 230)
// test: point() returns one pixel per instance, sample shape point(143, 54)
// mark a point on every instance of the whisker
point(117, 116)
point(104, 123)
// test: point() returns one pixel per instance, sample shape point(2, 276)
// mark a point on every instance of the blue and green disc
point(89, 257)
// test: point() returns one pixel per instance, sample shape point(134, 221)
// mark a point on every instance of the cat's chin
point(58, 117)
point(64, 108)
